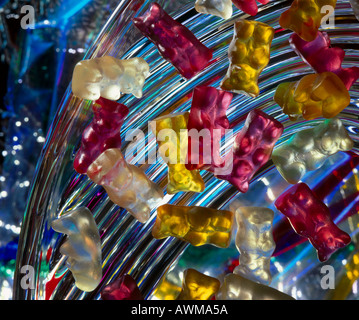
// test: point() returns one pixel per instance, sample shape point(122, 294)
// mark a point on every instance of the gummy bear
point(355, 6)
point(172, 137)
point(313, 96)
point(207, 116)
point(304, 17)
point(125, 184)
point(196, 225)
point(220, 8)
point(322, 57)
point(252, 148)
point(236, 287)
point(82, 247)
point(248, 6)
point(198, 286)
point(310, 218)
point(175, 42)
point(108, 77)
point(308, 149)
point(101, 134)
point(124, 288)
point(249, 54)
point(254, 241)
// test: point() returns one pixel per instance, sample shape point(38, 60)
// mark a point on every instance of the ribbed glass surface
point(128, 246)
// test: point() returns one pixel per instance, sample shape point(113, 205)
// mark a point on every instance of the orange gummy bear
point(313, 96)
point(304, 17)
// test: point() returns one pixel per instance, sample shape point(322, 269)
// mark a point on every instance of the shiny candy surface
point(236, 287)
point(198, 286)
point(172, 138)
point(175, 42)
point(322, 57)
point(126, 185)
point(304, 17)
point(308, 149)
point(254, 241)
point(310, 218)
point(196, 225)
point(207, 115)
point(124, 288)
point(109, 77)
point(249, 54)
point(355, 6)
point(220, 8)
point(313, 96)
point(248, 6)
point(101, 134)
point(82, 247)
point(252, 148)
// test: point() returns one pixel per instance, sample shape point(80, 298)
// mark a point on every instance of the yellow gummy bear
point(304, 17)
point(198, 286)
point(172, 138)
point(249, 54)
point(196, 225)
point(313, 96)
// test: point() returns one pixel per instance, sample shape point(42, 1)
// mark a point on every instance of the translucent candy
point(304, 17)
point(254, 242)
point(310, 218)
point(308, 149)
point(252, 149)
point(313, 96)
point(82, 247)
point(355, 6)
point(175, 42)
point(125, 184)
point(236, 287)
point(104, 132)
point(198, 286)
point(322, 57)
point(207, 115)
point(249, 54)
point(109, 77)
point(196, 225)
point(124, 288)
point(172, 138)
point(248, 6)
point(220, 8)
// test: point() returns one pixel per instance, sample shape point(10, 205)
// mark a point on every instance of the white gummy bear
point(236, 287)
point(109, 77)
point(308, 149)
point(82, 247)
point(219, 8)
point(254, 241)
point(125, 184)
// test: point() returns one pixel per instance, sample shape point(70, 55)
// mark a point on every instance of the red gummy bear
point(253, 147)
point(125, 288)
point(248, 6)
point(322, 57)
point(207, 115)
point(310, 218)
point(101, 134)
point(175, 42)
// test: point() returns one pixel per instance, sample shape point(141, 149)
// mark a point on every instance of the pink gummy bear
point(125, 288)
point(101, 134)
point(322, 57)
point(208, 112)
point(252, 148)
point(248, 6)
point(175, 42)
point(310, 218)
